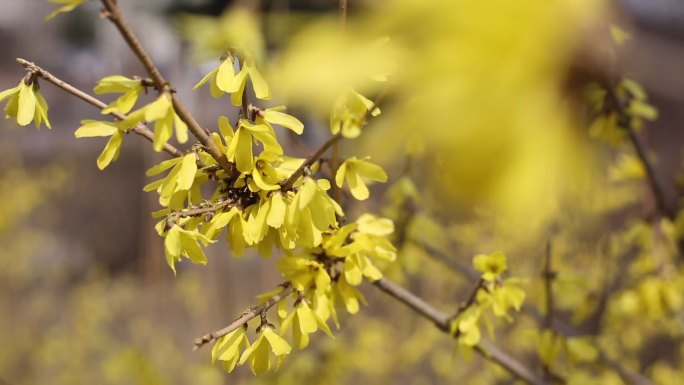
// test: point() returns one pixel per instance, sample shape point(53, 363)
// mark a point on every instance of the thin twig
point(548, 275)
point(245, 317)
point(309, 161)
point(324, 147)
point(470, 299)
point(139, 129)
point(441, 320)
point(652, 176)
point(113, 13)
point(195, 212)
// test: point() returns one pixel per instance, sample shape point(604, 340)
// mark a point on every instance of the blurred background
point(86, 296)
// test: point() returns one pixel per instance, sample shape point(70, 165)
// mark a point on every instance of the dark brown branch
point(470, 300)
point(252, 312)
point(441, 320)
point(309, 161)
point(549, 275)
point(321, 150)
point(139, 129)
point(113, 13)
point(652, 176)
point(196, 212)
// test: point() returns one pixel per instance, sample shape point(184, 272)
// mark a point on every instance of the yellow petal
point(116, 84)
point(181, 129)
point(186, 174)
point(111, 150)
point(172, 247)
point(285, 120)
point(27, 105)
point(279, 346)
point(260, 87)
point(205, 79)
point(357, 187)
point(369, 170)
point(193, 250)
point(93, 128)
point(163, 130)
point(225, 74)
point(276, 215)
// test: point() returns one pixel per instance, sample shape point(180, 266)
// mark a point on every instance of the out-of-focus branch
point(441, 320)
point(112, 11)
point(252, 312)
point(139, 129)
point(557, 324)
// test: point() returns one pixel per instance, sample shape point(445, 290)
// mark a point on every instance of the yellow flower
point(26, 104)
point(236, 86)
point(274, 116)
point(131, 89)
point(220, 78)
point(240, 147)
point(491, 266)
point(303, 321)
point(354, 171)
point(227, 348)
point(68, 6)
point(260, 360)
point(350, 112)
point(160, 112)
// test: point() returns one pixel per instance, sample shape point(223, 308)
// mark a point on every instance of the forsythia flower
point(237, 85)
point(491, 266)
point(349, 113)
point(227, 348)
point(131, 89)
point(274, 116)
point(353, 171)
point(303, 322)
point(93, 128)
point(160, 112)
point(220, 78)
point(68, 6)
point(26, 104)
point(260, 361)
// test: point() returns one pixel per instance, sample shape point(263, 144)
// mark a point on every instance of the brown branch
point(324, 147)
point(470, 300)
point(113, 13)
point(441, 321)
point(309, 161)
point(139, 129)
point(252, 312)
point(548, 275)
point(195, 212)
point(343, 12)
point(652, 176)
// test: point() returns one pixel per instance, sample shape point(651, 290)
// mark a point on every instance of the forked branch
point(139, 129)
point(112, 11)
